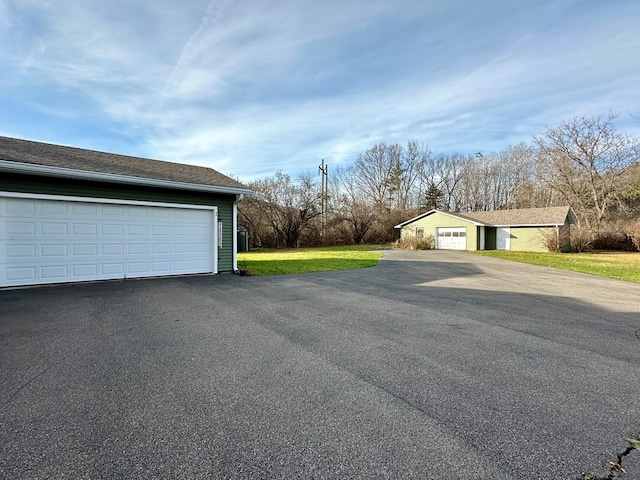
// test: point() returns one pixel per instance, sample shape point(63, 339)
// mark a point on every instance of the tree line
point(583, 162)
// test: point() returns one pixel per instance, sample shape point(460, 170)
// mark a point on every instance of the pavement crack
point(31, 380)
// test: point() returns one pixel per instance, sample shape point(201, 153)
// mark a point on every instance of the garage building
point(522, 229)
point(70, 214)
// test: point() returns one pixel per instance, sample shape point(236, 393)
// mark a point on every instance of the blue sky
point(250, 87)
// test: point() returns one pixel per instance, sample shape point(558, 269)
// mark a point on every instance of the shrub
point(412, 243)
point(581, 239)
point(427, 243)
point(632, 231)
point(612, 236)
point(550, 240)
point(556, 240)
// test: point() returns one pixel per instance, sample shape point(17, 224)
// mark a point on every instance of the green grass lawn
point(618, 265)
point(305, 260)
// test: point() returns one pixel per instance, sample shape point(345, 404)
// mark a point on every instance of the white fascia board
point(450, 214)
point(34, 169)
point(422, 215)
point(528, 225)
point(460, 217)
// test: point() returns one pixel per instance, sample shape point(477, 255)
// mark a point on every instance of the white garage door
point(53, 241)
point(452, 238)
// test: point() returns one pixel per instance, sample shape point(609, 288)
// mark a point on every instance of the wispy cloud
point(250, 87)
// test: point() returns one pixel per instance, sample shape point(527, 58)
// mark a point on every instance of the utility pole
point(324, 171)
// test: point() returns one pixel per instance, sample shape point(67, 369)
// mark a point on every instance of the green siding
point(528, 239)
point(439, 219)
point(76, 188)
point(531, 239)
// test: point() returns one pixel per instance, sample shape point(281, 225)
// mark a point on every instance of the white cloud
point(252, 86)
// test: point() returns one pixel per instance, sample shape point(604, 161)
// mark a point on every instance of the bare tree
point(351, 208)
point(283, 206)
point(414, 159)
point(374, 171)
point(585, 161)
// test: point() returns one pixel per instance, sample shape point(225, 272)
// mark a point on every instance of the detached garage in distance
point(70, 215)
point(517, 229)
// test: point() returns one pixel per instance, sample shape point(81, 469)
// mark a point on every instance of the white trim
point(400, 225)
point(520, 225)
point(234, 227)
point(29, 168)
point(449, 214)
point(117, 201)
point(214, 247)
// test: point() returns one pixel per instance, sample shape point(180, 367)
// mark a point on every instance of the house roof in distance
point(545, 216)
point(57, 160)
point(521, 216)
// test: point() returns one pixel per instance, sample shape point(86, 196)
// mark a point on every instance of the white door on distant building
point(503, 238)
point(452, 238)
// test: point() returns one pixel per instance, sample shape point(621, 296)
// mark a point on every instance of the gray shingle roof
point(547, 216)
point(522, 216)
point(57, 156)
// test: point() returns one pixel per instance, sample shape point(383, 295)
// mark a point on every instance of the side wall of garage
point(528, 239)
point(532, 239)
point(77, 188)
point(430, 223)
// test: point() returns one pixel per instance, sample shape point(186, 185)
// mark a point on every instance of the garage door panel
point(161, 267)
point(54, 208)
point(53, 250)
point(21, 228)
point(21, 274)
point(181, 248)
point(161, 230)
point(112, 249)
point(85, 250)
point(137, 230)
point(83, 209)
point(137, 212)
point(84, 229)
point(54, 228)
point(160, 248)
point(112, 229)
point(15, 206)
point(84, 271)
point(51, 241)
point(54, 272)
point(22, 252)
point(116, 211)
point(137, 249)
point(451, 238)
point(112, 270)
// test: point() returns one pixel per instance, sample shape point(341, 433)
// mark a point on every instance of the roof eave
point(551, 224)
point(450, 214)
point(35, 169)
point(417, 217)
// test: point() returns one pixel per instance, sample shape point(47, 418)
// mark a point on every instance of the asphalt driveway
point(430, 365)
